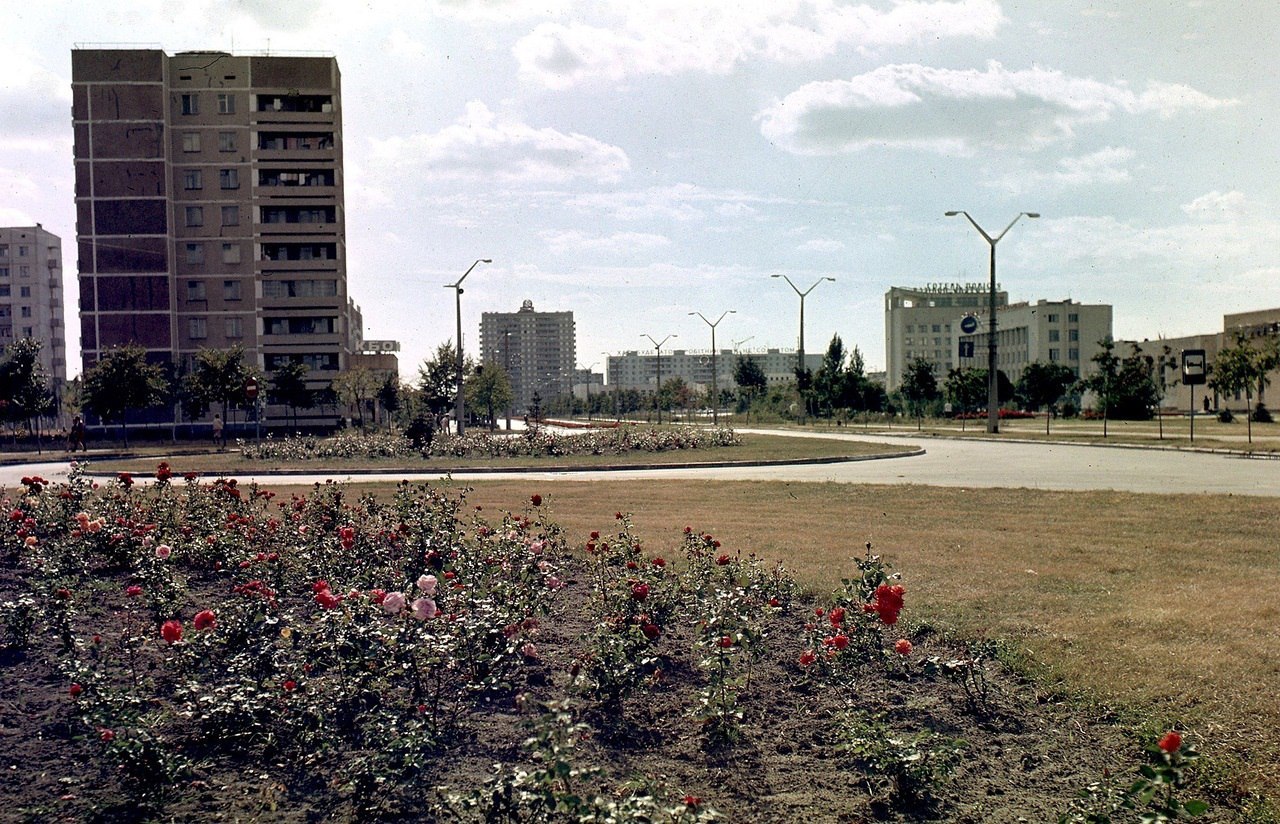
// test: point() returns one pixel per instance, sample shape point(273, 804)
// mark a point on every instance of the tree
point(966, 390)
point(750, 379)
point(355, 387)
point(1044, 384)
point(1244, 366)
point(489, 389)
point(438, 379)
point(919, 386)
point(829, 385)
point(1125, 388)
point(122, 380)
point(217, 376)
point(289, 388)
point(674, 394)
point(24, 385)
point(390, 395)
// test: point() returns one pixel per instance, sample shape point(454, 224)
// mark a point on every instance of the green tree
point(123, 380)
point(1244, 366)
point(488, 388)
point(966, 390)
point(750, 379)
point(217, 376)
point(289, 388)
point(1125, 388)
point(919, 386)
point(355, 387)
point(675, 394)
point(1044, 384)
point(24, 385)
point(391, 396)
point(830, 384)
point(438, 379)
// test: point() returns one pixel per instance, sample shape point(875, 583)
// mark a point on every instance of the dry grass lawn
point(1165, 607)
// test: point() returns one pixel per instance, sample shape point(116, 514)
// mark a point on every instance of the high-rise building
point(537, 350)
point(31, 296)
point(918, 324)
point(209, 197)
point(638, 369)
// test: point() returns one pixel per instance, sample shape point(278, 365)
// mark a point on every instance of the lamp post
point(715, 376)
point(617, 398)
point(993, 384)
point(457, 294)
point(657, 345)
point(589, 367)
point(800, 352)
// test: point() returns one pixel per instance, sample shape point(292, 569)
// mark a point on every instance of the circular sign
point(969, 324)
point(251, 389)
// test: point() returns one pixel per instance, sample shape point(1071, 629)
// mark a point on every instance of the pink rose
point(424, 609)
point(427, 583)
point(393, 602)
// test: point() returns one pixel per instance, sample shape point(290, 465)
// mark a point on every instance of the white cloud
point(1219, 206)
point(484, 146)
point(574, 242)
point(821, 245)
point(957, 112)
point(675, 36)
point(497, 11)
point(1105, 166)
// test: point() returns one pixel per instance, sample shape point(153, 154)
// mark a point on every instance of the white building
point(31, 305)
point(639, 369)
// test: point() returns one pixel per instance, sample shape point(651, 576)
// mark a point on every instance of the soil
point(1024, 753)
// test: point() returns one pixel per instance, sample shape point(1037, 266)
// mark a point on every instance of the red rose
point(171, 631)
point(319, 586)
point(722, 560)
point(535, 499)
point(1171, 741)
point(640, 591)
point(74, 690)
point(205, 619)
point(105, 734)
point(902, 647)
point(290, 685)
point(659, 562)
point(773, 602)
point(725, 642)
point(651, 631)
point(595, 534)
point(808, 657)
point(692, 801)
point(836, 616)
point(841, 641)
point(327, 599)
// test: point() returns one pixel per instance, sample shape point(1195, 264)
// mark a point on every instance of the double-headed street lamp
point(657, 345)
point(457, 290)
point(800, 350)
point(715, 385)
point(993, 391)
point(589, 367)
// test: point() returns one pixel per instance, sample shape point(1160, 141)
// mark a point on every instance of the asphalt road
point(946, 462)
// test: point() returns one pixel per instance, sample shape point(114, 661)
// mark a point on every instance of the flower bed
point(205, 649)
point(532, 443)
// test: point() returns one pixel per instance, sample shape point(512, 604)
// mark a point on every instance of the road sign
point(968, 324)
point(251, 389)
point(1193, 366)
point(966, 349)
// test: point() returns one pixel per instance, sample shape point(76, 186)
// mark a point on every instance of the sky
point(634, 162)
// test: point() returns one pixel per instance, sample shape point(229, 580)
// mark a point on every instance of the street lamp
point(800, 352)
point(993, 391)
point(657, 345)
point(457, 294)
point(617, 398)
point(588, 383)
point(715, 386)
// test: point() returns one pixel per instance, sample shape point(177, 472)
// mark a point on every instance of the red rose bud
point(1171, 741)
point(205, 619)
point(640, 591)
point(808, 657)
point(651, 631)
point(536, 500)
point(722, 560)
point(290, 685)
point(725, 642)
point(171, 631)
point(902, 647)
point(74, 690)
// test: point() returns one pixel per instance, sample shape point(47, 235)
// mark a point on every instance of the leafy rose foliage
point(480, 444)
point(1152, 797)
point(245, 628)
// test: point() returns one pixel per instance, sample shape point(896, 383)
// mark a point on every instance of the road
point(946, 462)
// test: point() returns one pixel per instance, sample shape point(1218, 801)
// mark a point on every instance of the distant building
point(1059, 331)
point(537, 350)
point(639, 369)
point(918, 323)
point(31, 273)
point(209, 198)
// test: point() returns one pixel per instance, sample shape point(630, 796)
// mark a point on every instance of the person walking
point(217, 432)
point(75, 438)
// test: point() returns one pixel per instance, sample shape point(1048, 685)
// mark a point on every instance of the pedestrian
point(75, 438)
point(217, 432)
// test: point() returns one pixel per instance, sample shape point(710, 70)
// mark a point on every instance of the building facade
point(639, 369)
point(919, 322)
point(1047, 331)
point(209, 198)
point(537, 350)
point(31, 287)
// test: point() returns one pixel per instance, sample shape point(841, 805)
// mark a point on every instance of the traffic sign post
point(1194, 371)
point(969, 324)
point(251, 393)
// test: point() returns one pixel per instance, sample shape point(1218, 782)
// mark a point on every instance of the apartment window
point(4, 250)
point(230, 215)
point(24, 291)
point(191, 179)
point(910, 329)
point(1054, 336)
point(226, 141)
point(226, 104)
point(1073, 354)
point(26, 312)
point(195, 215)
point(231, 253)
point(29, 332)
point(24, 271)
point(1054, 355)
point(1073, 317)
point(233, 328)
point(231, 290)
point(195, 253)
point(1073, 335)
point(229, 178)
point(190, 141)
point(195, 290)
point(1053, 318)
point(4, 290)
point(937, 327)
point(23, 251)
point(191, 103)
point(197, 329)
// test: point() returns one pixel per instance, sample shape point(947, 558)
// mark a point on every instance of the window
point(191, 179)
point(4, 250)
point(24, 271)
point(197, 329)
point(195, 253)
point(226, 104)
point(23, 251)
point(4, 290)
point(1073, 318)
point(191, 103)
point(190, 141)
point(195, 290)
point(195, 215)
point(231, 254)
point(26, 312)
point(1054, 336)
point(1053, 318)
point(1073, 354)
point(1073, 335)
point(230, 215)
point(24, 291)
point(910, 329)
point(937, 327)
point(28, 332)
point(233, 328)
point(1054, 355)
point(229, 178)
point(231, 290)
point(226, 141)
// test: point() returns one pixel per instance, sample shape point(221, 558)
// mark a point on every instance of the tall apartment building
point(31, 296)
point(918, 323)
point(638, 369)
point(1047, 331)
point(537, 350)
point(209, 198)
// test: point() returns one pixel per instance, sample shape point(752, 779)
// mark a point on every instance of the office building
point(537, 350)
point(31, 283)
point(638, 369)
point(918, 323)
point(1047, 331)
point(209, 198)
